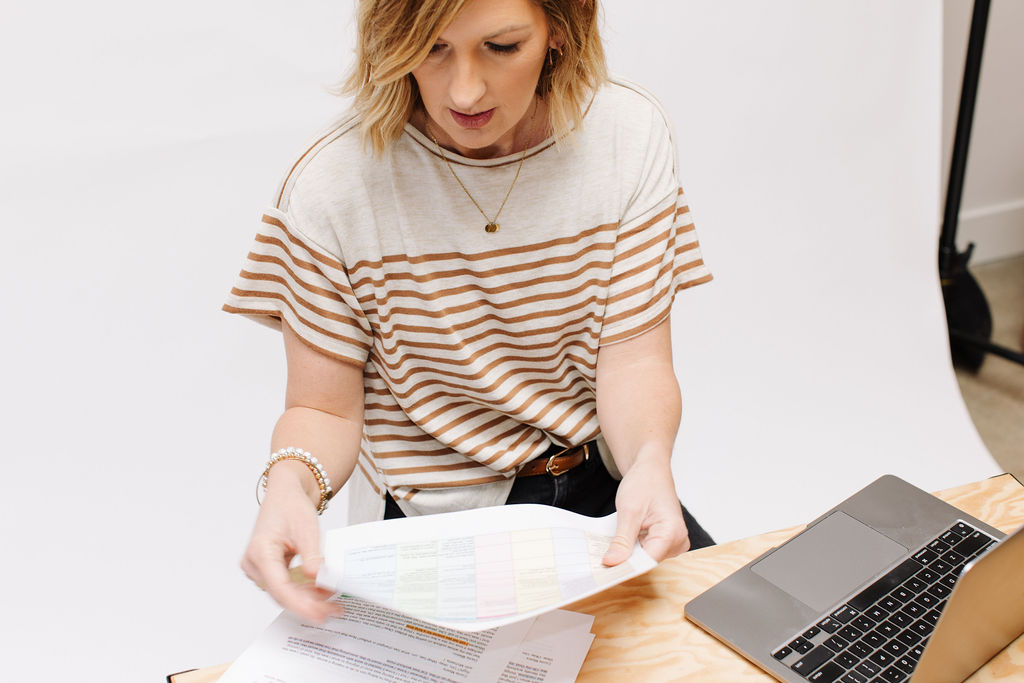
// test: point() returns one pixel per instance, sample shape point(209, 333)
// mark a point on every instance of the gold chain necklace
point(492, 223)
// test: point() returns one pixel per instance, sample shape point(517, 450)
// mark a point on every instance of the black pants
point(587, 489)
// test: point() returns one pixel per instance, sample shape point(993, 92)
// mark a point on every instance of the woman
point(475, 269)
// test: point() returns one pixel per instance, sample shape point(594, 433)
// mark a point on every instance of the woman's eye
point(437, 47)
point(503, 48)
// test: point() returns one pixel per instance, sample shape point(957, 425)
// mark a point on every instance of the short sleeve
point(287, 277)
point(656, 250)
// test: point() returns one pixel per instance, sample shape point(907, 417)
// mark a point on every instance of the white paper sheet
point(553, 650)
point(370, 643)
point(477, 569)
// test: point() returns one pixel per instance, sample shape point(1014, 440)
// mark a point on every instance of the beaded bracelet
point(290, 453)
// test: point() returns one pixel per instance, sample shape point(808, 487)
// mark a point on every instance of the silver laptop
point(891, 585)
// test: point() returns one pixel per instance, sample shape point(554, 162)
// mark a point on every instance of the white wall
point(808, 137)
point(992, 212)
point(138, 147)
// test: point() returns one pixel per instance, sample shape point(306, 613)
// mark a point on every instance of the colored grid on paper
point(482, 577)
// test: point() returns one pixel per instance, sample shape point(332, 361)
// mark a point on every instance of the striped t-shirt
point(479, 349)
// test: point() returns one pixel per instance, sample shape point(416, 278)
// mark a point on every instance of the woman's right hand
point(285, 527)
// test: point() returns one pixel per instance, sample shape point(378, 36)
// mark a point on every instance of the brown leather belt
point(560, 462)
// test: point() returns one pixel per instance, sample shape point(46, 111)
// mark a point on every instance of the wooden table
point(643, 636)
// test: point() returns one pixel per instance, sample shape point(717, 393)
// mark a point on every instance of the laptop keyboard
point(880, 633)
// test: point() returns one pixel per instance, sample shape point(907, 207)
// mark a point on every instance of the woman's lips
point(478, 120)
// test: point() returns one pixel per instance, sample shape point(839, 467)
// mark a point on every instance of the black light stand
point(967, 312)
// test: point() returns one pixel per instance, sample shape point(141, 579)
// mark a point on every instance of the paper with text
point(553, 650)
point(477, 569)
point(370, 644)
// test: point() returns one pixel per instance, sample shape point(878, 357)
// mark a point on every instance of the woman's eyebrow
point(507, 29)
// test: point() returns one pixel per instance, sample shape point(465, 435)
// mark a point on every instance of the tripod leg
point(967, 312)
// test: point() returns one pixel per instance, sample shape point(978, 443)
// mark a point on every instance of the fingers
point(308, 543)
point(657, 546)
point(307, 600)
point(310, 566)
point(658, 525)
point(287, 527)
point(626, 532)
point(268, 568)
point(666, 538)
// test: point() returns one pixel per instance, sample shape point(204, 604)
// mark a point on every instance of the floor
point(995, 393)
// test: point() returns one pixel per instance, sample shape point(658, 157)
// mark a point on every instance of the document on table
point(477, 569)
point(369, 643)
point(553, 650)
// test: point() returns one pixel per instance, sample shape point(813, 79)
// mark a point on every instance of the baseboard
point(996, 230)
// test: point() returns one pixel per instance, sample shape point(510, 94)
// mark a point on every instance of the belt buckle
point(553, 469)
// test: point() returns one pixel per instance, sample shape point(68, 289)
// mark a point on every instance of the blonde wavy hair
point(395, 36)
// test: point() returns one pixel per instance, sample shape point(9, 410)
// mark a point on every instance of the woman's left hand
point(638, 406)
point(648, 510)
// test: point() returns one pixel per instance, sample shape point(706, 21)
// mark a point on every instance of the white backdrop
point(139, 145)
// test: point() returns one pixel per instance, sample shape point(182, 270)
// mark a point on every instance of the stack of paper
point(464, 596)
point(370, 643)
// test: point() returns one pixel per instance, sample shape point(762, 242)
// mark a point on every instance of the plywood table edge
point(997, 500)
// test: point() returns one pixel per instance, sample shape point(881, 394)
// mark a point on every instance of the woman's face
point(478, 82)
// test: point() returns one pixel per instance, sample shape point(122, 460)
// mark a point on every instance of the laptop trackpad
point(826, 562)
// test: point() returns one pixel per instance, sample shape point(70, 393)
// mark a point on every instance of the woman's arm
point(638, 408)
point(323, 415)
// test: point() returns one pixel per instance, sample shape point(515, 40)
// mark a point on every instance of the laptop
point(890, 585)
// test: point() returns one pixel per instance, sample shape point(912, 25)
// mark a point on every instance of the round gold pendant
point(491, 227)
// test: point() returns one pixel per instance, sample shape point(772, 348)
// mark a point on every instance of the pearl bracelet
point(290, 453)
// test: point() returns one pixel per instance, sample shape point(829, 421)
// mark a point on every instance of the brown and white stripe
point(481, 354)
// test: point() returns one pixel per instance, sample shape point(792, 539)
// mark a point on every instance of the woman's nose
point(467, 85)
